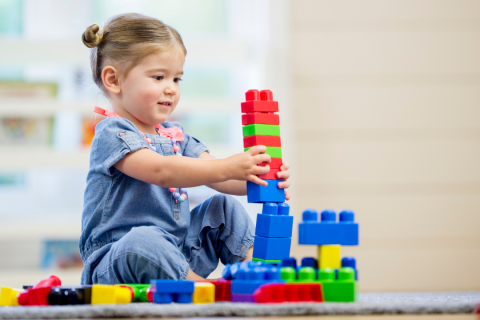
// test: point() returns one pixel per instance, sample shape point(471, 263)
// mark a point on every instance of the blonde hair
point(126, 39)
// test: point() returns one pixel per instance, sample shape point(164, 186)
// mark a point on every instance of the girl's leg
point(142, 254)
point(220, 228)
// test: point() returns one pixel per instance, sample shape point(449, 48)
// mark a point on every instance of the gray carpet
point(369, 303)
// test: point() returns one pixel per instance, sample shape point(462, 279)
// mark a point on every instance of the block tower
point(261, 126)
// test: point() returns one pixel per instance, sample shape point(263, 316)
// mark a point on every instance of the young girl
point(136, 223)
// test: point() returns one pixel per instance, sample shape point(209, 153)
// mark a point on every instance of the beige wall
point(387, 123)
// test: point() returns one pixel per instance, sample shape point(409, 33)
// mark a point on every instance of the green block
point(139, 290)
point(267, 261)
point(344, 289)
point(261, 130)
point(274, 152)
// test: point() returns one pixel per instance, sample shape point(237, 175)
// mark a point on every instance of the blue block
point(274, 226)
point(283, 209)
point(260, 194)
point(164, 298)
point(289, 262)
point(172, 286)
point(271, 248)
point(250, 277)
point(352, 263)
point(328, 231)
point(310, 262)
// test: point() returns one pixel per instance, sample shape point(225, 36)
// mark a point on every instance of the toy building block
point(109, 294)
point(275, 163)
point(139, 291)
point(272, 225)
point(271, 248)
point(260, 118)
point(350, 262)
point(290, 292)
point(38, 294)
point(243, 297)
point(259, 102)
point(261, 130)
point(204, 293)
point(328, 231)
point(289, 262)
point(274, 152)
point(274, 262)
point(8, 297)
point(250, 278)
point(329, 257)
point(223, 289)
point(309, 262)
point(270, 193)
point(270, 175)
point(289, 274)
point(344, 289)
point(60, 296)
point(167, 291)
point(270, 141)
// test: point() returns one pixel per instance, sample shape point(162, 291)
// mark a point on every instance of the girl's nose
point(170, 89)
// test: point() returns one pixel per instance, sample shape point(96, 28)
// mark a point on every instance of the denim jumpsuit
point(133, 231)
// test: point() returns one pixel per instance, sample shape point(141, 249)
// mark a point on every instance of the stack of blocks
point(337, 275)
point(274, 225)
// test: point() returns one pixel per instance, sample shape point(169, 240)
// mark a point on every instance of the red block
point(290, 292)
point(38, 295)
point(261, 118)
point(276, 163)
point(223, 291)
point(270, 175)
point(264, 104)
point(270, 141)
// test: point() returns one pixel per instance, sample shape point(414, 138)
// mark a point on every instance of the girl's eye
point(177, 80)
point(158, 77)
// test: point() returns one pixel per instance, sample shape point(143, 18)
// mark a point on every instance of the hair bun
point(91, 38)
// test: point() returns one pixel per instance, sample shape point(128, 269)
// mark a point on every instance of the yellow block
point(8, 297)
point(329, 257)
point(105, 294)
point(204, 292)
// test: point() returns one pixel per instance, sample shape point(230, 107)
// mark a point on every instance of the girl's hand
point(243, 166)
point(284, 174)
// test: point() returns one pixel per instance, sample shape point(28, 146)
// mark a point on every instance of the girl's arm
point(239, 188)
point(184, 172)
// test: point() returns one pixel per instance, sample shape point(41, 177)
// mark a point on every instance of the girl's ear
point(110, 78)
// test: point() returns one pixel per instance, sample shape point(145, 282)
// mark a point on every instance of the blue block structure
point(250, 277)
point(271, 248)
point(260, 194)
point(352, 263)
point(274, 226)
point(168, 291)
point(310, 262)
point(328, 231)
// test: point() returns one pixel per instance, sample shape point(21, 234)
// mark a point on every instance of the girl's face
point(151, 90)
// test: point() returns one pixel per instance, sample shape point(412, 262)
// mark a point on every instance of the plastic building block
point(260, 118)
point(288, 274)
point(275, 163)
point(270, 141)
point(307, 274)
point(204, 293)
point(60, 296)
point(328, 231)
point(108, 294)
point(309, 262)
point(344, 289)
point(329, 257)
point(8, 297)
point(38, 294)
point(150, 295)
point(270, 175)
point(259, 102)
point(290, 292)
point(223, 290)
point(274, 262)
point(270, 193)
point(274, 226)
point(250, 277)
point(261, 130)
point(167, 291)
point(139, 291)
point(350, 262)
point(271, 248)
point(243, 297)
point(274, 152)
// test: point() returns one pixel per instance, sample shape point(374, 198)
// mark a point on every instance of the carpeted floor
point(371, 303)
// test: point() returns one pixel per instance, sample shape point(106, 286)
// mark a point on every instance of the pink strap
point(107, 113)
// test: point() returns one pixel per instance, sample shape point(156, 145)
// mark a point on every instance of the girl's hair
point(128, 38)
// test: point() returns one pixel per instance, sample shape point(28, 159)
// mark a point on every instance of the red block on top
point(276, 163)
point(259, 102)
point(223, 291)
point(290, 292)
point(257, 140)
point(260, 118)
point(270, 175)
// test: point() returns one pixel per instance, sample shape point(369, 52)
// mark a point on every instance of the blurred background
point(379, 110)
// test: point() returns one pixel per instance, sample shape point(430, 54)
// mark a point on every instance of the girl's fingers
point(284, 185)
point(287, 195)
point(285, 166)
point(256, 150)
point(261, 170)
point(257, 180)
point(259, 158)
point(283, 175)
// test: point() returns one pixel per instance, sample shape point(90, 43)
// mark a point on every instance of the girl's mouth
point(165, 104)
